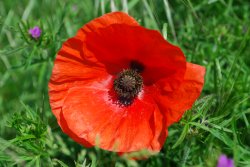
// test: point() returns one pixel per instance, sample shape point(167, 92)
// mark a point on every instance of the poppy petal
point(102, 22)
point(106, 20)
point(92, 115)
point(176, 103)
point(71, 68)
point(70, 63)
point(144, 154)
point(66, 130)
point(117, 45)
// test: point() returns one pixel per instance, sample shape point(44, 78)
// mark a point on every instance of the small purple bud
point(35, 32)
point(225, 162)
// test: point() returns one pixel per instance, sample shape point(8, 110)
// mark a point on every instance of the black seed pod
point(127, 85)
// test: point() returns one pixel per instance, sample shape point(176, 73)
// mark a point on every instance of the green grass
point(212, 33)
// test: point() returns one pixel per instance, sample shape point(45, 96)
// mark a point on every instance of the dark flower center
point(127, 85)
point(136, 66)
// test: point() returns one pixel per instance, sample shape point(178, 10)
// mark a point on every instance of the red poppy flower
point(119, 85)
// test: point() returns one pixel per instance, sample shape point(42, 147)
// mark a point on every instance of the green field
point(212, 33)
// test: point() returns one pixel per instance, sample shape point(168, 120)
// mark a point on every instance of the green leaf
point(60, 162)
point(182, 136)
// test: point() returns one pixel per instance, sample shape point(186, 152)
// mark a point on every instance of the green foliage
point(213, 33)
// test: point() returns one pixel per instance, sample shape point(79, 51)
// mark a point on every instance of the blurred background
point(212, 33)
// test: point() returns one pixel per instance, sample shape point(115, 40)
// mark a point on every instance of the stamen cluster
point(127, 85)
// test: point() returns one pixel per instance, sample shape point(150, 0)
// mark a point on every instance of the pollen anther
point(127, 85)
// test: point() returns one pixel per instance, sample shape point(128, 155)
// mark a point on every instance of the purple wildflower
point(224, 161)
point(35, 32)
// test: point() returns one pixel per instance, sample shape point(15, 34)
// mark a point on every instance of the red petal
point(66, 130)
point(144, 154)
point(71, 68)
point(175, 103)
point(102, 22)
point(117, 45)
point(69, 71)
point(92, 115)
point(106, 20)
